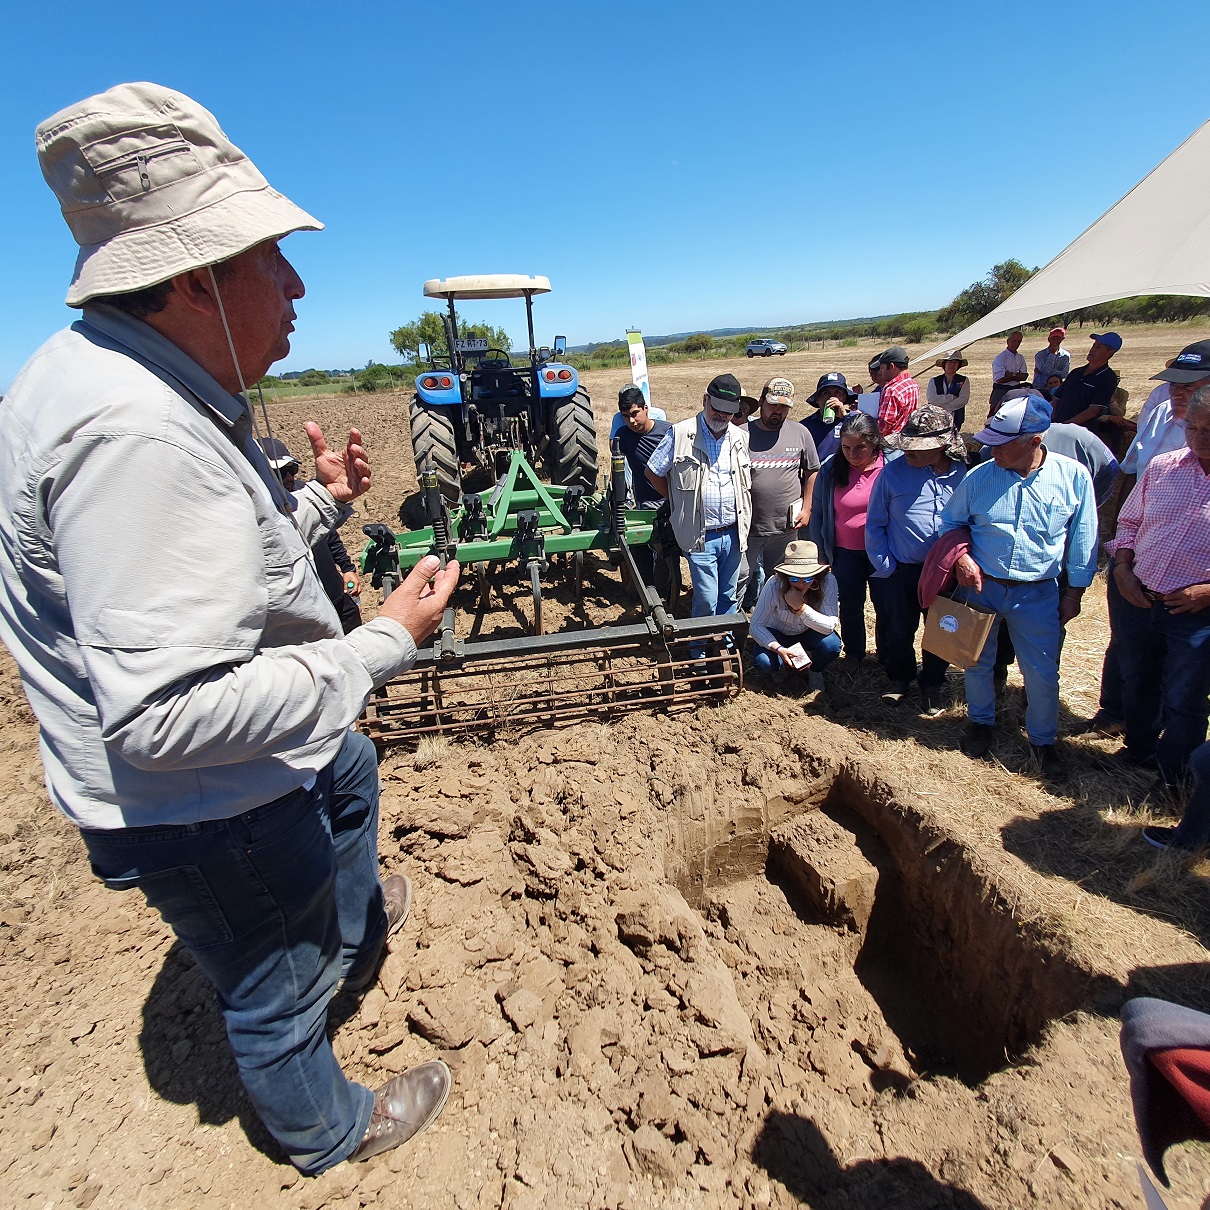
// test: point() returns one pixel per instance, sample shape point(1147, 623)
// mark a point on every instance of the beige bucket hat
point(802, 559)
point(151, 187)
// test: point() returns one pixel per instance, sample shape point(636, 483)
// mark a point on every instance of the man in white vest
point(703, 469)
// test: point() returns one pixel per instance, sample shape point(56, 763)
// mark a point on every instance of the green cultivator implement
point(515, 683)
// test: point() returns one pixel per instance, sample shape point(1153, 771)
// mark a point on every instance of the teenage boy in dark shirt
point(637, 439)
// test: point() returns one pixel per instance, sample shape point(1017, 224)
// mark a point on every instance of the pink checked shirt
point(1166, 522)
point(900, 398)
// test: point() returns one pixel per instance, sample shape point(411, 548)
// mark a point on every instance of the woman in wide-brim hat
point(950, 390)
point(797, 607)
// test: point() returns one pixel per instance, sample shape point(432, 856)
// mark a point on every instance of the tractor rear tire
point(433, 437)
point(571, 453)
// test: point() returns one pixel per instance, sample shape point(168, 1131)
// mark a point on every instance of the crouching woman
point(797, 607)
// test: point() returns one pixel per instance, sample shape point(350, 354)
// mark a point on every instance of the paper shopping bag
point(957, 632)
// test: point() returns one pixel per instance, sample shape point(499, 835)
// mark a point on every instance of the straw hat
point(802, 559)
point(151, 187)
point(940, 362)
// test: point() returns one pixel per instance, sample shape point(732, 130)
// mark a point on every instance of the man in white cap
point(195, 724)
point(1031, 515)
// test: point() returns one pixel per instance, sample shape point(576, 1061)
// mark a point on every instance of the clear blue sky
point(673, 166)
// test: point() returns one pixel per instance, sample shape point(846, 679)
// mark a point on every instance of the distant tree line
point(984, 296)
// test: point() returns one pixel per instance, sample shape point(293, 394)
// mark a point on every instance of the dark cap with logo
point(725, 393)
point(1191, 365)
point(896, 355)
point(832, 379)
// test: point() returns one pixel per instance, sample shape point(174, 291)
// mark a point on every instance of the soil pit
point(854, 888)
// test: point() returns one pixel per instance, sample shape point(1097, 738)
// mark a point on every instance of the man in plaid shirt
point(900, 394)
point(1159, 602)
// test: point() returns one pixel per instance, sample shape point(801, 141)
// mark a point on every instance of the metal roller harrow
point(504, 686)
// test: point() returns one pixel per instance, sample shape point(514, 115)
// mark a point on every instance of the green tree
point(429, 330)
point(983, 296)
point(699, 342)
point(312, 378)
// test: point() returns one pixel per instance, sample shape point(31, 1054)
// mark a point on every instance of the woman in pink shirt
point(839, 503)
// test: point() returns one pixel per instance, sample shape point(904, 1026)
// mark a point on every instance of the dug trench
point(960, 986)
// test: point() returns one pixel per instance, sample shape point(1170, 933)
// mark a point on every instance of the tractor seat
point(503, 384)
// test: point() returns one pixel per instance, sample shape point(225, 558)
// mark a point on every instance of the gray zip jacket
point(174, 641)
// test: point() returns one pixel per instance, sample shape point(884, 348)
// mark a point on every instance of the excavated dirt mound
point(761, 954)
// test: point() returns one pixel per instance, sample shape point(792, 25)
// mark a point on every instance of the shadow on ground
point(186, 1054)
point(793, 1151)
point(1108, 857)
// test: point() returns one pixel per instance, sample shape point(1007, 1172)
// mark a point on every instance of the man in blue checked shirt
point(1031, 515)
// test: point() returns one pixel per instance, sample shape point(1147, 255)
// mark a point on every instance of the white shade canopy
point(486, 285)
point(1156, 240)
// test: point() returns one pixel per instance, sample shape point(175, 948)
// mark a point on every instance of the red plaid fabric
point(1166, 522)
point(900, 398)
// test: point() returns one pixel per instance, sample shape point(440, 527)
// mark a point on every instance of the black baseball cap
point(725, 393)
point(896, 355)
point(1191, 364)
point(832, 379)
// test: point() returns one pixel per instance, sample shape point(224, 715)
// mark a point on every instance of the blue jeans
point(902, 613)
point(714, 574)
point(1194, 828)
point(1031, 612)
point(275, 905)
point(1165, 663)
point(854, 571)
point(822, 648)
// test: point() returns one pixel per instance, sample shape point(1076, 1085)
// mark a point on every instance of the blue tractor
point(473, 406)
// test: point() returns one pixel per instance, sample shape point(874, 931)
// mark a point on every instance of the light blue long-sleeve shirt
point(904, 516)
point(1029, 527)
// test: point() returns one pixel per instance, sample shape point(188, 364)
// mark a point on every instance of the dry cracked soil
point(767, 953)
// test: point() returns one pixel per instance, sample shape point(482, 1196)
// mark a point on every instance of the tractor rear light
point(429, 384)
point(564, 375)
point(550, 375)
point(445, 382)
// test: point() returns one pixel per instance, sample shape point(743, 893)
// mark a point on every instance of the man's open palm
point(345, 473)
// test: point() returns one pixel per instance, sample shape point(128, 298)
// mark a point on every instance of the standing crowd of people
point(901, 508)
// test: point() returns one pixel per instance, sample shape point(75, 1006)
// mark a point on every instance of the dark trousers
point(1165, 663)
point(1111, 683)
point(903, 613)
point(854, 571)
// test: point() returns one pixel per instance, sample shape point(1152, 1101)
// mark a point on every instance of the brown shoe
point(397, 891)
point(405, 1107)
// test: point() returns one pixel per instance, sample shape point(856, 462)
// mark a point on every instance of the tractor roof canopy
point(486, 285)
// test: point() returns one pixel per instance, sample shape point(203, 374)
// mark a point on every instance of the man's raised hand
point(345, 473)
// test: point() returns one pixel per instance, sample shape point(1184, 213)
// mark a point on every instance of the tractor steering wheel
point(488, 362)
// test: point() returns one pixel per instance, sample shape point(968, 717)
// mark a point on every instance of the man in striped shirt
point(1031, 514)
point(1159, 602)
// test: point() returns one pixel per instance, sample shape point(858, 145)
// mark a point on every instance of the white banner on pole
point(638, 362)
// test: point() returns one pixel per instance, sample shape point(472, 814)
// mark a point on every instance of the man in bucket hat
point(195, 724)
point(1031, 514)
point(903, 522)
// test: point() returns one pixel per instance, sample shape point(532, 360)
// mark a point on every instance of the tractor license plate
point(472, 344)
